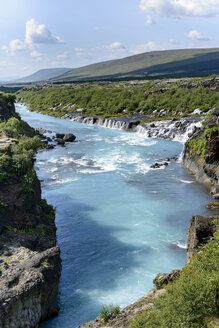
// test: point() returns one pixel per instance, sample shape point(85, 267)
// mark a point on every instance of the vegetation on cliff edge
point(192, 300)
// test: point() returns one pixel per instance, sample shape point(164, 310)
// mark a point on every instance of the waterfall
point(176, 130)
point(172, 130)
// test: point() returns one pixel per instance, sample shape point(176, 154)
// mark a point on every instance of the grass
point(169, 63)
point(107, 312)
point(16, 159)
point(197, 146)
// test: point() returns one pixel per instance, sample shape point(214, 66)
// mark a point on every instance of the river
point(119, 223)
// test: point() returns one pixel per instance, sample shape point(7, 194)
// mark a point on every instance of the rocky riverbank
point(201, 153)
point(30, 264)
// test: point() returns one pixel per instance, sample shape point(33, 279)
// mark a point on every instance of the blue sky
point(37, 34)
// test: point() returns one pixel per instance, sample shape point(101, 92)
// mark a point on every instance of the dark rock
point(164, 278)
point(155, 166)
point(200, 231)
point(50, 146)
point(69, 137)
point(60, 135)
point(158, 165)
point(41, 131)
point(61, 138)
point(60, 141)
point(5, 110)
point(29, 288)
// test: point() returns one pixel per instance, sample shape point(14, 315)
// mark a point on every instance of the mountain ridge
point(43, 75)
point(149, 65)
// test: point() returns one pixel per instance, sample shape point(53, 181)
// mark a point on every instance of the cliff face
point(30, 264)
point(6, 108)
point(201, 230)
point(201, 153)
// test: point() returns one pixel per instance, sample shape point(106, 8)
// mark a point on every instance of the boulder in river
point(65, 137)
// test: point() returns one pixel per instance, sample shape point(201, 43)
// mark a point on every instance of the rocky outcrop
point(158, 165)
point(29, 286)
point(30, 263)
point(124, 318)
point(6, 109)
point(201, 229)
point(162, 279)
point(201, 153)
point(213, 84)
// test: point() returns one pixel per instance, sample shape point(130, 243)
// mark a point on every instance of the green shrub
point(209, 133)
point(15, 128)
point(27, 181)
point(207, 118)
point(197, 146)
point(112, 98)
point(107, 312)
point(16, 159)
point(47, 209)
point(3, 204)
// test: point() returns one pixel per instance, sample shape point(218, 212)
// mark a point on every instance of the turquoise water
point(119, 223)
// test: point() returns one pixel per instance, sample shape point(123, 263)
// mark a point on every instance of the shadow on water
point(102, 262)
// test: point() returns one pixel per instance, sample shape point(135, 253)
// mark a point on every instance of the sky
point(36, 34)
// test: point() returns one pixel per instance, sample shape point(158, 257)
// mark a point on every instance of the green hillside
point(43, 75)
point(168, 63)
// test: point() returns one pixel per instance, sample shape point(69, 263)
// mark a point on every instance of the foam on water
point(119, 222)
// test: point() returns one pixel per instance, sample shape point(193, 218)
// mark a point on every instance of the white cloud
point(80, 52)
point(58, 63)
point(196, 35)
point(35, 53)
point(149, 20)
point(39, 33)
point(115, 45)
point(145, 47)
point(181, 8)
point(14, 45)
point(35, 34)
point(114, 50)
point(38, 59)
point(65, 55)
point(104, 52)
point(173, 41)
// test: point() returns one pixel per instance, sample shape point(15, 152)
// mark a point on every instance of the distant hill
point(154, 64)
point(168, 63)
point(43, 75)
